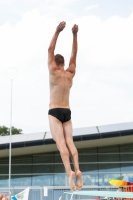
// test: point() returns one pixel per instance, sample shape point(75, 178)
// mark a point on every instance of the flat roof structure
point(24, 144)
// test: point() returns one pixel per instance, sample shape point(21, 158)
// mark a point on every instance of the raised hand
point(61, 26)
point(75, 29)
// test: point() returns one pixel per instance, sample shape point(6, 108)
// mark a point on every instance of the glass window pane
point(42, 180)
point(89, 167)
point(59, 168)
point(108, 149)
point(87, 151)
point(21, 169)
point(108, 157)
point(4, 169)
point(43, 168)
point(60, 180)
point(105, 177)
point(44, 158)
point(126, 157)
point(4, 180)
point(90, 179)
point(20, 180)
point(109, 167)
point(126, 167)
point(126, 148)
point(4, 161)
point(88, 158)
point(22, 160)
point(57, 158)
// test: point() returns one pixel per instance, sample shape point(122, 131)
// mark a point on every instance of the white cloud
point(64, 2)
point(108, 43)
point(101, 93)
point(92, 6)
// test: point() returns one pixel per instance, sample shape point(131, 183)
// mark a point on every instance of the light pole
point(10, 73)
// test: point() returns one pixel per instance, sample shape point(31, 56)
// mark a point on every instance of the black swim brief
point(62, 114)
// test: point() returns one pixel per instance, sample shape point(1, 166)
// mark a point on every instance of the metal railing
point(53, 192)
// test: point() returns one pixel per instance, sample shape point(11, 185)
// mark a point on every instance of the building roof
point(83, 137)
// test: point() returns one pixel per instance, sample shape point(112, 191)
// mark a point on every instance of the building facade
point(104, 152)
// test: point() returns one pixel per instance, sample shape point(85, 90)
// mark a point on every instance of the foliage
point(6, 131)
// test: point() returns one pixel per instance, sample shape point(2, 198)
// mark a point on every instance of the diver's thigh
point(56, 128)
point(67, 128)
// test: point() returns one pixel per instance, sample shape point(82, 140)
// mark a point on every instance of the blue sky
point(102, 90)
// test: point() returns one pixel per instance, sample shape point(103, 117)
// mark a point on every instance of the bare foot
point(71, 180)
point(79, 182)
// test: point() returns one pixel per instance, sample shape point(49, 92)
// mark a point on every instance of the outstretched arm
point(51, 63)
point(72, 63)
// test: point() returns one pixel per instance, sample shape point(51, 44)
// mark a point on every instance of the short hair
point(59, 59)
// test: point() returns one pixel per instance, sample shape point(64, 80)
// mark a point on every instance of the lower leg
point(74, 154)
point(67, 128)
point(75, 160)
point(65, 158)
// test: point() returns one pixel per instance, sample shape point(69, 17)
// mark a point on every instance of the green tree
point(6, 131)
point(16, 131)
